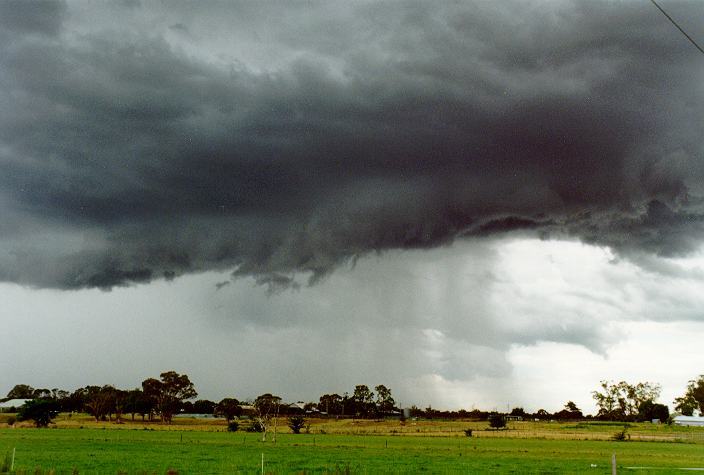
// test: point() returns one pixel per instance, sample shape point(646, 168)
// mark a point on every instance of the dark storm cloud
point(132, 151)
point(42, 17)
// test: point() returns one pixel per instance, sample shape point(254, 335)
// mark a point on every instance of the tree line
point(172, 393)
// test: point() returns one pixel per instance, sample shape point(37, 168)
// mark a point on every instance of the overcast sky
point(475, 203)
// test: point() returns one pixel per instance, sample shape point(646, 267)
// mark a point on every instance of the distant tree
point(384, 401)
point(693, 398)
point(473, 414)
point(569, 412)
point(518, 411)
point(229, 408)
point(62, 398)
point(97, 401)
point(204, 406)
point(431, 413)
point(347, 404)
point(42, 393)
point(41, 411)
point(542, 414)
point(620, 401)
point(267, 408)
point(168, 393)
point(103, 402)
point(497, 421)
point(151, 388)
point(649, 410)
point(296, 423)
point(73, 402)
point(21, 391)
point(363, 399)
point(330, 404)
point(137, 403)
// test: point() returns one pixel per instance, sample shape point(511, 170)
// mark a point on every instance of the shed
point(11, 405)
point(697, 421)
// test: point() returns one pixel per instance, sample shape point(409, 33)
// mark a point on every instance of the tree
point(137, 403)
point(497, 421)
point(21, 391)
point(102, 402)
point(649, 410)
point(267, 407)
point(42, 393)
point(41, 411)
point(74, 402)
point(384, 401)
point(363, 400)
point(331, 404)
point(203, 406)
point(169, 393)
point(229, 408)
point(570, 411)
point(692, 399)
point(620, 401)
point(151, 388)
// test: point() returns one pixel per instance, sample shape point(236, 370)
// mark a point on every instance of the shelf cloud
point(145, 141)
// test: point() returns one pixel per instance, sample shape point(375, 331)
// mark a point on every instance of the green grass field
point(365, 448)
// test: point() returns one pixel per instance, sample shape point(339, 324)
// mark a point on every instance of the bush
point(622, 435)
point(256, 427)
point(11, 421)
point(296, 423)
point(468, 432)
point(232, 426)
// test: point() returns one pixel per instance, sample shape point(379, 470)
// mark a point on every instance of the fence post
point(613, 464)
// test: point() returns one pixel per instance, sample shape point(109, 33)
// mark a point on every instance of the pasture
point(192, 446)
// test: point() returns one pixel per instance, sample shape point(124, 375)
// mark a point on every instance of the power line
point(678, 27)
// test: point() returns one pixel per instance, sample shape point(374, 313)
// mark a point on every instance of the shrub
point(296, 423)
point(622, 435)
point(11, 420)
point(256, 426)
point(468, 432)
point(232, 426)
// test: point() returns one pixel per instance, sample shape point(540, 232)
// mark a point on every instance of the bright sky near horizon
point(478, 204)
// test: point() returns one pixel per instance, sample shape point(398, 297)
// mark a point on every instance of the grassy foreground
point(180, 448)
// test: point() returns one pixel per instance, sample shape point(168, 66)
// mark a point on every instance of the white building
point(697, 421)
point(12, 404)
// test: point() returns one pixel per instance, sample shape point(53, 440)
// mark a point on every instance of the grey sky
point(280, 142)
point(482, 324)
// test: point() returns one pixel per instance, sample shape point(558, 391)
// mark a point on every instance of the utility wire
point(678, 27)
